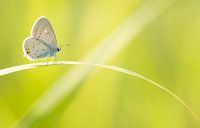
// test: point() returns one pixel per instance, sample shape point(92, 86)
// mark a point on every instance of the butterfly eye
point(58, 49)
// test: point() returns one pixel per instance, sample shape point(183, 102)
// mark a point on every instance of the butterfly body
point(42, 42)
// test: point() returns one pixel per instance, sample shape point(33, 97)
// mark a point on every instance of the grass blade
point(41, 107)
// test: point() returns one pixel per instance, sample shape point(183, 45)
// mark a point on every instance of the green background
point(166, 49)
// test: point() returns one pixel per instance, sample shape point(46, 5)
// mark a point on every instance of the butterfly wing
point(35, 49)
point(43, 30)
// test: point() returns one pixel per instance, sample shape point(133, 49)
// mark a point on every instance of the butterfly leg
point(55, 60)
point(47, 61)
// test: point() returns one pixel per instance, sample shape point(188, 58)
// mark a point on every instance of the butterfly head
point(58, 49)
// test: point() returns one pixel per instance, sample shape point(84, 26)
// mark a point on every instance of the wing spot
point(28, 50)
point(43, 49)
point(38, 56)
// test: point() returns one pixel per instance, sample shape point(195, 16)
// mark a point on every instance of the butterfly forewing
point(34, 49)
point(43, 30)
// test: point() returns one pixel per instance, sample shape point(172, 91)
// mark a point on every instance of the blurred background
point(159, 39)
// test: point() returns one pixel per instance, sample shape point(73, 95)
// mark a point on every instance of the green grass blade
point(43, 106)
point(128, 30)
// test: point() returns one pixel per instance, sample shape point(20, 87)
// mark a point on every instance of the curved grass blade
point(110, 67)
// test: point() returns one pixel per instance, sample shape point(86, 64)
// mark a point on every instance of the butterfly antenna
point(65, 45)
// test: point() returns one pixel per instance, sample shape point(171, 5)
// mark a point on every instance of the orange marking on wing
point(28, 50)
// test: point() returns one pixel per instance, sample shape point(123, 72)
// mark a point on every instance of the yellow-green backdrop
point(159, 39)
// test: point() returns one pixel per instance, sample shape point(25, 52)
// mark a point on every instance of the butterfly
point(42, 41)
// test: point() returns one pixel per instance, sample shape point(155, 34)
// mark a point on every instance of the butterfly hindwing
point(34, 49)
point(43, 30)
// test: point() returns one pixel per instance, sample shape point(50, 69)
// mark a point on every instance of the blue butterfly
point(42, 42)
